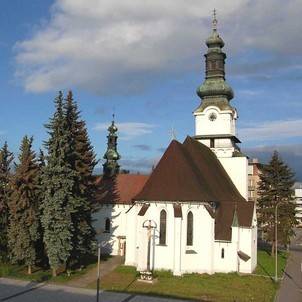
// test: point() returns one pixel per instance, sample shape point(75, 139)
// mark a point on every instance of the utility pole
point(276, 242)
point(98, 274)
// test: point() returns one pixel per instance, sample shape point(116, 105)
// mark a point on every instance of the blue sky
point(144, 61)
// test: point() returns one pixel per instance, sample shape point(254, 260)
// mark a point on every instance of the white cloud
point(271, 130)
point(117, 47)
point(128, 131)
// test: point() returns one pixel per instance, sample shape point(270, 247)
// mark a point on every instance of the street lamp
point(276, 241)
point(98, 273)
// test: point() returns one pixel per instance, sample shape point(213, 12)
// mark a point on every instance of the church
point(191, 214)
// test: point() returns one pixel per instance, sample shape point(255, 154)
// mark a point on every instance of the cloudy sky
point(143, 60)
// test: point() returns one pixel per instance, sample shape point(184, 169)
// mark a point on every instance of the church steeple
point(215, 90)
point(111, 166)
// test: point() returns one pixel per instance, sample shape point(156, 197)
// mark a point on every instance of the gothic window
point(222, 253)
point(107, 225)
point(190, 228)
point(163, 227)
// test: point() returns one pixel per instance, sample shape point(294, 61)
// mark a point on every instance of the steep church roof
point(119, 189)
point(189, 172)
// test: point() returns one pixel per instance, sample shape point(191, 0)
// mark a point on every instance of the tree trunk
point(29, 269)
point(54, 272)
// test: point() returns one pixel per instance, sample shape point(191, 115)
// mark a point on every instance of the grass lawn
point(39, 274)
point(266, 263)
point(218, 287)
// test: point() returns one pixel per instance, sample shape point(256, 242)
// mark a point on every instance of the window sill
point(161, 245)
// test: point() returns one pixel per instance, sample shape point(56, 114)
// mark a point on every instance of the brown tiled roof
point(191, 172)
point(119, 189)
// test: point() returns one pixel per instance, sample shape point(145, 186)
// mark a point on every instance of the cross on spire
point(214, 22)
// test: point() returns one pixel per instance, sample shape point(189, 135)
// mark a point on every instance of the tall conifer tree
point(23, 207)
point(275, 187)
point(58, 180)
point(82, 160)
point(6, 159)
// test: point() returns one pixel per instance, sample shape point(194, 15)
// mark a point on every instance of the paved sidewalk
point(106, 267)
point(22, 291)
point(291, 285)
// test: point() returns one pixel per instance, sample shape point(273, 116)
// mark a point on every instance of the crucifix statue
point(149, 225)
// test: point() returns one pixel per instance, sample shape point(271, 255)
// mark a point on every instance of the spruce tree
point(40, 247)
point(58, 181)
point(23, 207)
point(82, 160)
point(275, 187)
point(6, 158)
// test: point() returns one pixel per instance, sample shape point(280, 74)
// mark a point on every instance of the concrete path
point(106, 267)
point(291, 285)
point(22, 291)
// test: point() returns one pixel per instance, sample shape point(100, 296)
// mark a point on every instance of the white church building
point(195, 199)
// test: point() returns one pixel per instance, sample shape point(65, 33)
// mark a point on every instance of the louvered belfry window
point(190, 228)
point(163, 227)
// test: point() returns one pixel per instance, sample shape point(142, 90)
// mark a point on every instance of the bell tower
point(215, 118)
point(111, 166)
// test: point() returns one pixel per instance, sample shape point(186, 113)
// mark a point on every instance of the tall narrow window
point(162, 227)
point(107, 225)
point(222, 253)
point(212, 143)
point(190, 229)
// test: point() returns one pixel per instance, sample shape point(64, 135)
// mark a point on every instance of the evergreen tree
point(58, 181)
point(40, 248)
point(23, 207)
point(82, 160)
point(275, 187)
point(6, 158)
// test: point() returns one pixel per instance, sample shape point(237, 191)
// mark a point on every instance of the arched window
point(190, 228)
point(222, 253)
point(162, 227)
point(107, 225)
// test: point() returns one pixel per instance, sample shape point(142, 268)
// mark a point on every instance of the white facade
point(206, 255)
point(112, 239)
point(213, 124)
point(213, 121)
point(237, 169)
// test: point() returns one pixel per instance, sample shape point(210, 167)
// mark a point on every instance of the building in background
point(254, 171)
point(298, 199)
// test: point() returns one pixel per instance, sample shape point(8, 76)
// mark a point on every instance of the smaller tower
point(111, 166)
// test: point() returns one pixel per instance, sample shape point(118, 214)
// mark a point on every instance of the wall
point(118, 225)
point(175, 255)
point(237, 167)
point(224, 123)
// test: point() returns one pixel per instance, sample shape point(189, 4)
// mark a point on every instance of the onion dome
point(215, 87)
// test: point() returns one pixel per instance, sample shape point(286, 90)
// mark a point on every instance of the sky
point(143, 61)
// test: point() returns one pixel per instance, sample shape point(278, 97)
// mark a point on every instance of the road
point(22, 291)
point(291, 285)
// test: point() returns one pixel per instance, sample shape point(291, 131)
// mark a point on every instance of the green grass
point(266, 263)
point(40, 275)
point(218, 287)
